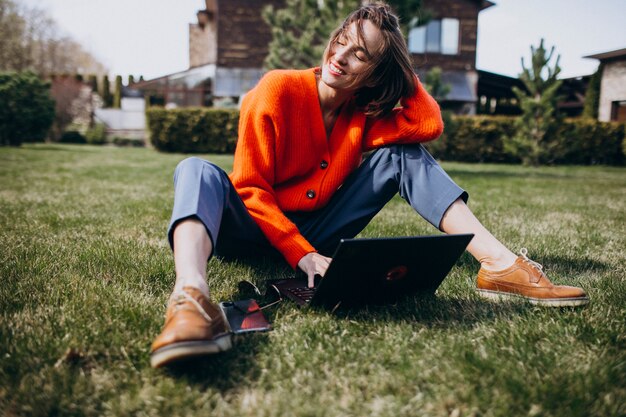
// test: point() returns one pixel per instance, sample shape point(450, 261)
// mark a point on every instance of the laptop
point(378, 271)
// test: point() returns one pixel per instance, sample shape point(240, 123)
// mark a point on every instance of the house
point(448, 41)
point(229, 42)
point(227, 47)
point(612, 106)
point(572, 95)
point(129, 121)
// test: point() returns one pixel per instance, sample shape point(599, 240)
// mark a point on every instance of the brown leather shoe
point(193, 326)
point(525, 279)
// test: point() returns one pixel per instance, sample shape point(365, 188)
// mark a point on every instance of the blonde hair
point(391, 76)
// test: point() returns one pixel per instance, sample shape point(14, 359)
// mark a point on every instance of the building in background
point(572, 95)
point(129, 121)
point(612, 106)
point(448, 40)
point(227, 47)
point(229, 42)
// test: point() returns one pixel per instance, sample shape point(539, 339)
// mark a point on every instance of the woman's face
point(350, 57)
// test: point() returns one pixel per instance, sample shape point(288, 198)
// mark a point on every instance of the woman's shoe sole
point(545, 302)
point(184, 350)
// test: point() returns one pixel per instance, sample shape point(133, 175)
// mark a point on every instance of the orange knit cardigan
point(285, 162)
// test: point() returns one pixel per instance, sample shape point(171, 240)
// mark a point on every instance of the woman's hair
point(391, 76)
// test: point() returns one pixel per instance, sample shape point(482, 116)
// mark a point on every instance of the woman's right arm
point(417, 120)
point(254, 170)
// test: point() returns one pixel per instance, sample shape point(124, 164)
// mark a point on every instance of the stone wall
point(202, 44)
point(612, 88)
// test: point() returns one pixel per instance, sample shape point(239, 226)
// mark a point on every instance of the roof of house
point(618, 53)
point(491, 84)
point(461, 88)
point(485, 4)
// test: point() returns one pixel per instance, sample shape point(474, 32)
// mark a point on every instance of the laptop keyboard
point(304, 293)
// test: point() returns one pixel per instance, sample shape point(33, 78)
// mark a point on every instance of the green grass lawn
point(85, 272)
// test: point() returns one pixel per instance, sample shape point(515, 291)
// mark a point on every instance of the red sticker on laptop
point(397, 273)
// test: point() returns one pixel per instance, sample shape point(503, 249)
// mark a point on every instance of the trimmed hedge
point(588, 142)
point(474, 139)
point(193, 130)
point(578, 141)
point(466, 138)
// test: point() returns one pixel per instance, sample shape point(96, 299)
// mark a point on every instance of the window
point(433, 36)
point(618, 111)
point(449, 36)
point(438, 36)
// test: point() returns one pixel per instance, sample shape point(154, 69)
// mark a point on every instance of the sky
point(150, 37)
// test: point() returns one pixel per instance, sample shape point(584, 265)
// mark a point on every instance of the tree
point(540, 119)
point(92, 81)
point(117, 93)
point(107, 98)
point(30, 39)
point(12, 26)
point(592, 95)
point(408, 12)
point(64, 90)
point(434, 84)
point(301, 29)
point(27, 111)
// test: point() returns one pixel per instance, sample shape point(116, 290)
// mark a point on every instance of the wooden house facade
point(229, 42)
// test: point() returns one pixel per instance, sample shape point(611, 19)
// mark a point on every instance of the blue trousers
point(203, 191)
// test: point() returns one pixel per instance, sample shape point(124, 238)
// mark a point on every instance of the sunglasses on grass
point(249, 290)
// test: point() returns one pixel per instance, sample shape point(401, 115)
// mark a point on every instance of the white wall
point(130, 117)
point(612, 88)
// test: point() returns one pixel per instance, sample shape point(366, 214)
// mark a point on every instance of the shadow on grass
point(573, 265)
point(84, 148)
point(239, 366)
point(438, 312)
point(427, 309)
point(226, 370)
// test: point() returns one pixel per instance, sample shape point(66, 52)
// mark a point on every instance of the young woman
point(299, 183)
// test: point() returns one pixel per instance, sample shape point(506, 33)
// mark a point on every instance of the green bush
point(474, 139)
point(193, 130)
point(577, 141)
point(26, 109)
point(465, 138)
point(130, 142)
point(72, 136)
point(589, 142)
point(96, 135)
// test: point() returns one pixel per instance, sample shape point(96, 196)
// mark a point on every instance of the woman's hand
point(314, 264)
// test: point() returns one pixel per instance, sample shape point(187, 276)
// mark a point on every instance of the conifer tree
point(107, 98)
point(301, 29)
point(117, 94)
point(592, 95)
point(409, 13)
point(92, 81)
point(434, 84)
point(540, 118)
